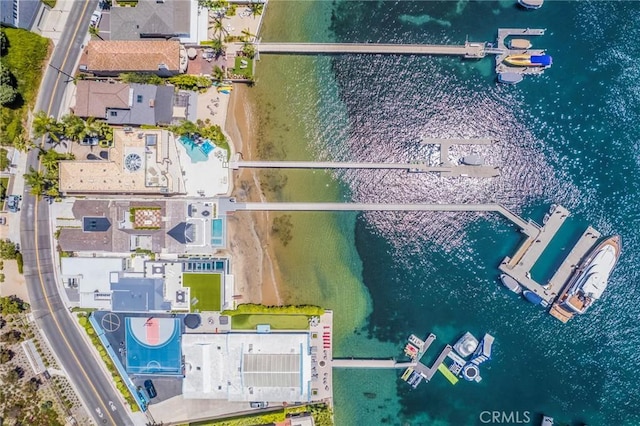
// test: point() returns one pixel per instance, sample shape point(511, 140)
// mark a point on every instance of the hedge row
point(251, 308)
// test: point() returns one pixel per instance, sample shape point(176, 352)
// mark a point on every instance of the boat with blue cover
point(534, 298)
point(526, 60)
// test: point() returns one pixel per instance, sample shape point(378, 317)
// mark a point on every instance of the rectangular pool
point(218, 232)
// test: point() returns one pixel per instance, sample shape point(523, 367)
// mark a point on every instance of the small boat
point(547, 421)
point(531, 4)
point(472, 160)
point(526, 60)
point(534, 298)
point(510, 77)
point(510, 283)
point(466, 345)
point(520, 43)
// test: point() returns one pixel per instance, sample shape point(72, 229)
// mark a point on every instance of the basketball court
point(153, 345)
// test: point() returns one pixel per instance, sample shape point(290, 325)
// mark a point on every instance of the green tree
point(4, 159)
point(190, 82)
point(44, 124)
point(37, 181)
point(73, 126)
point(218, 73)
point(219, 30)
point(256, 8)
point(8, 94)
point(7, 249)
point(11, 377)
point(6, 355)
point(247, 35)
point(23, 144)
point(94, 32)
point(4, 44)
point(218, 46)
point(249, 50)
point(11, 337)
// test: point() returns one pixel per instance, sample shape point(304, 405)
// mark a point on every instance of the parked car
point(151, 390)
point(13, 203)
point(95, 18)
point(3, 220)
point(259, 404)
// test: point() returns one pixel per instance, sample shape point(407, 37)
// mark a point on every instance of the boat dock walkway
point(502, 50)
point(445, 169)
point(520, 264)
point(369, 363)
point(467, 50)
point(229, 205)
point(428, 372)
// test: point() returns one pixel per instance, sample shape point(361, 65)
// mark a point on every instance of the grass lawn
point(277, 321)
point(246, 72)
point(25, 59)
point(207, 288)
point(4, 185)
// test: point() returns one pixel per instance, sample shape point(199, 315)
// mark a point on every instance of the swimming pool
point(217, 232)
point(207, 147)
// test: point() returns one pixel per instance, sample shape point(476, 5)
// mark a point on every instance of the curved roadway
point(89, 379)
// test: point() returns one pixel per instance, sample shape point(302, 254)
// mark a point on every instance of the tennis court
point(153, 345)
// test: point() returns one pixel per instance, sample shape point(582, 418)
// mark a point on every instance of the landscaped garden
point(206, 288)
point(21, 74)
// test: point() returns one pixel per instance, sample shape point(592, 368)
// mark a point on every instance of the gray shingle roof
point(150, 19)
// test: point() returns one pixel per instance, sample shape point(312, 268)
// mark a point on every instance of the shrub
point(20, 262)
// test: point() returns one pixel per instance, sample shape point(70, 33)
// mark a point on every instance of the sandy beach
point(253, 261)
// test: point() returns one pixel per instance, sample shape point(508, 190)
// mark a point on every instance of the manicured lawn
point(246, 72)
point(25, 59)
point(207, 288)
point(277, 321)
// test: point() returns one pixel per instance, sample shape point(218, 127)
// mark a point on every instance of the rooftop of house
point(138, 162)
point(151, 19)
point(124, 55)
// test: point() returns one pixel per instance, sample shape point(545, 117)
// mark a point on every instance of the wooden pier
point(369, 363)
point(467, 50)
point(229, 205)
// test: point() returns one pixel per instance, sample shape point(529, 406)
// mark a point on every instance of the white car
point(95, 18)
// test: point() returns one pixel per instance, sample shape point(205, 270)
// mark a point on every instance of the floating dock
point(520, 264)
point(502, 50)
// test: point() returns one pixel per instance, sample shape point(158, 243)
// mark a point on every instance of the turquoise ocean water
point(569, 137)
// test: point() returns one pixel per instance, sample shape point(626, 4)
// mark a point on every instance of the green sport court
point(206, 291)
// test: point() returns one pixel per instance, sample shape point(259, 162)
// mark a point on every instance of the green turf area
point(276, 321)
point(207, 288)
point(246, 72)
point(4, 184)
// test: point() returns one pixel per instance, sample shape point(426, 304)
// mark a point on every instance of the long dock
point(229, 205)
point(369, 363)
point(467, 50)
point(446, 169)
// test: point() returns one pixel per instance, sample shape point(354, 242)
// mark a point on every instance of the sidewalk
point(52, 21)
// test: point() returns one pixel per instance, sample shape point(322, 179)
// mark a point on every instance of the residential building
point(125, 104)
point(152, 19)
point(111, 58)
point(20, 13)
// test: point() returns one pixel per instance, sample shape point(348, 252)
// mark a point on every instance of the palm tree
point(73, 126)
point(218, 46)
point(36, 181)
point(218, 73)
point(256, 9)
point(95, 32)
point(23, 144)
point(219, 28)
point(42, 123)
point(247, 35)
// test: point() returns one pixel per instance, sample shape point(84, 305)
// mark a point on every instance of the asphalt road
point(94, 386)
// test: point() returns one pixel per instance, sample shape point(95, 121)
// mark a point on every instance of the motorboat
point(466, 345)
point(520, 44)
point(546, 421)
point(526, 60)
point(472, 160)
point(531, 4)
point(510, 77)
point(590, 279)
point(510, 283)
point(534, 298)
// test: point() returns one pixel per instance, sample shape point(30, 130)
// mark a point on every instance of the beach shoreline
point(255, 268)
